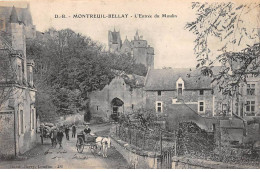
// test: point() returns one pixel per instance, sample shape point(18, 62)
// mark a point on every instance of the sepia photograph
point(129, 84)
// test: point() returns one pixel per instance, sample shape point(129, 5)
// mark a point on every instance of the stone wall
point(25, 101)
point(190, 163)
point(7, 139)
point(134, 156)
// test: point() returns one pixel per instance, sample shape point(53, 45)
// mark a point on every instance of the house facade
point(169, 88)
point(183, 94)
point(180, 95)
point(17, 108)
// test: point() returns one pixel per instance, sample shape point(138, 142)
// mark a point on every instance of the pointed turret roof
point(13, 16)
point(126, 40)
point(136, 35)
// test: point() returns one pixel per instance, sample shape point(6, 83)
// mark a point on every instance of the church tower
point(114, 41)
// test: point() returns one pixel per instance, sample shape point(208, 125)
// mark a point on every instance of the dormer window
point(180, 86)
point(179, 89)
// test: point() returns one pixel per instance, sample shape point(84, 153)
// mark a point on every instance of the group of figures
point(57, 135)
point(85, 138)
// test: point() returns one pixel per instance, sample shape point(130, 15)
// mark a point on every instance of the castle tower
point(139, 48)
point(23, 15)
point(18, 39)
point(150, 57)
point(114, 41)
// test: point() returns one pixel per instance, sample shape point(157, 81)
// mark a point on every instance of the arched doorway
point(117, 106)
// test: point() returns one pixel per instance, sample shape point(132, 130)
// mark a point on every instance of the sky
point(173, 44)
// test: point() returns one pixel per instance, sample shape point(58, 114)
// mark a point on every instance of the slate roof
point(14, 17)
point(126, 43)
point(23, 14)
point(165, 79)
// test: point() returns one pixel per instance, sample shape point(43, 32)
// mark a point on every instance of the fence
point(160, 142)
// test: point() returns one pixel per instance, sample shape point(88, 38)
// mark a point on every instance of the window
point(159, 107)
point(179, 89)
point(214, 127)
point(201, 92)
point(250, 107)
point(224, 109)
point(180, 86)
point(21, 122)
point(19, 73)
point(250, 89)
point(31, 77)
point(159, 93)
point(32, 119)
point(97, 108)
point(132, 106)
point(201, 106)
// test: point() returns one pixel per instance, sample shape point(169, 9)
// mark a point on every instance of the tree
point(69, 66)
point(146, 118)
point(236, 42)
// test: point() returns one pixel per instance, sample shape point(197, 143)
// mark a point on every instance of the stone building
point(180, 95)
point(138, 48)
point(17, 107)
point(166, 89)
point(124, 94)
point(172, 87)
point(184, 95)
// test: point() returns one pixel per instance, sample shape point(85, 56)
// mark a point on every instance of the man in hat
point(87, 130)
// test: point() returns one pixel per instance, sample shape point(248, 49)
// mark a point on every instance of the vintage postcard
point(129, 84)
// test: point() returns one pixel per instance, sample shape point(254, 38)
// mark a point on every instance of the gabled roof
point(126, 45)
point(165, 79)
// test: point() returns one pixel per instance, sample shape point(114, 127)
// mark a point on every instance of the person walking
point(67, 129)
point(59, 137)
point(73, 131)
point(54, 137)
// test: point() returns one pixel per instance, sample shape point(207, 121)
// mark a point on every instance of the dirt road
point(44, 156)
